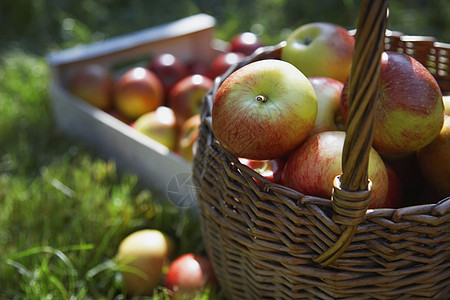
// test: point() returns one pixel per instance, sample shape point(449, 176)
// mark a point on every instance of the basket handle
point(351, 192)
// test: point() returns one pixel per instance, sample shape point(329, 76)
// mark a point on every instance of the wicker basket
point(270, 242)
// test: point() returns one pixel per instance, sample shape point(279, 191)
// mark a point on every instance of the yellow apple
point(160, 125)
point(446, 100)
point(142, 256)
point(188, 137)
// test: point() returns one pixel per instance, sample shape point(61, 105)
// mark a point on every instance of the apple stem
point(261, 98)
point(307, 41)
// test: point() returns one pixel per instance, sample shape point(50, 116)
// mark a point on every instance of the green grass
point(63, 210)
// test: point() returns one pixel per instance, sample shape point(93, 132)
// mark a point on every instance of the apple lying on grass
point(187, 95)
point(434, 160)
point(160, 125)
point(137, 92)
point(93, 83)
point(328, 92)
point(188, 274)
point(409, 111)
point(264, 110)
point(312, 167)
point(141, 257)
point(320, 49)
point(245, 43)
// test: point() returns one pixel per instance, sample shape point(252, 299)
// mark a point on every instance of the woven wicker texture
point(264, 240)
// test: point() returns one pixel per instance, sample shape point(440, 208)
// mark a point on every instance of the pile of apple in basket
point(292, 110)
point(286, 117)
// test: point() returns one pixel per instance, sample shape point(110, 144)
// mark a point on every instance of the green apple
point(160, 125)
point(264, 110)
point(320, 49)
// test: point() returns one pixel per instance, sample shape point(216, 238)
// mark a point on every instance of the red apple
point(320, 49)
point(270, 169)
point(411, 179)
point(93, 83)
point(264, 110)
point(223, 62)
point(160, 125)
point(197, 67)
point(144, 253)
point(186, 96)
point(312, 167)
point(434, 161)
point(137, 92)
point(169, 70)
point(428, 195)
point(113, 112)
point(189, 273)
point(188, 137)
point(328, 92)
point(394, 196)
point(245, 43)
point(409, 112)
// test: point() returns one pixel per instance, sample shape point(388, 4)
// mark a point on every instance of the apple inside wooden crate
point(166, 172)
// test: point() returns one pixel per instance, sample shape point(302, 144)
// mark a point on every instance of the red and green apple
point(264, 110)
point(137, 92)
point(93, 83)
point(328, 92)
point(160, 125)
point(187, 145)
point(320, 49)
point(409, 111)
point(187, 95)
point(312, 167)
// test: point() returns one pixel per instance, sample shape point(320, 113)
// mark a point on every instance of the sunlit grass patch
point(63, 210)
